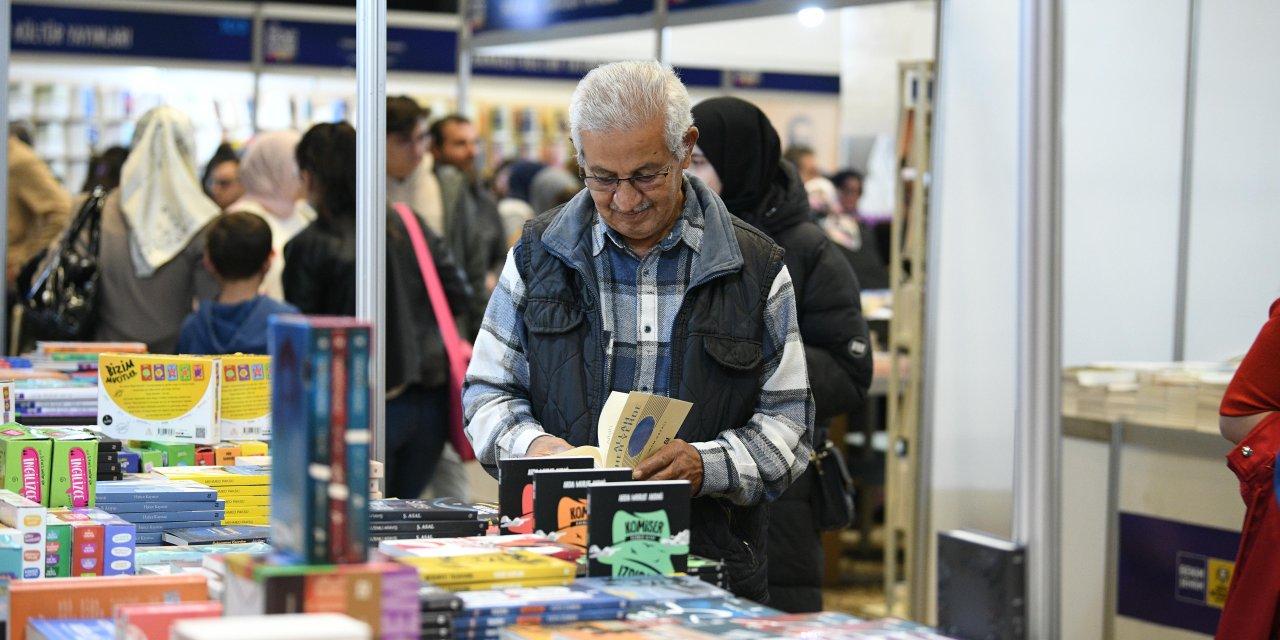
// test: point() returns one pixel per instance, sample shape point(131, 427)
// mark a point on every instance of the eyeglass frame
point(611, 184)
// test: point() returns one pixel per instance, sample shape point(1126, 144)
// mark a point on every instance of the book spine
point(86, 552)
point(300, 371)
point(186, 498)
point(357, 448)
point(151, 507)
point(161, 527)
point(173, 516)
point(335, 455)
point(318, 470)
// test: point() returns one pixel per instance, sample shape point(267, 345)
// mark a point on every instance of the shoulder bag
point(831, 495)
point(62, 303)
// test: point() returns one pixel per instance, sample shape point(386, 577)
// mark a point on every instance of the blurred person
point(273, 192)
point(21, 130)
point(851, 233)
point(552, 187)
point(472, 226)
point(410, 175)
point(104, 169)
point(320, 278)
point(738, 156)
point(39, 208)
point(222, 177)
point(511, 184)
point(822, 193)
point(151, 256)
point(238, 252)
point(1249, 417)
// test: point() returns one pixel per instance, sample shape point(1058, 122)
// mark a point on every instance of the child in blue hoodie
point(237, 253)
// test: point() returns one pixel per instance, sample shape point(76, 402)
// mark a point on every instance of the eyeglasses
point(640, 183)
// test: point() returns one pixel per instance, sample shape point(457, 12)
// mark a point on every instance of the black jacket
point(320, 278)
point(472, 229)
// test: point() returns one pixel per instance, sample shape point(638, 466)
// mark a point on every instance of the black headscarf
point(743, 147)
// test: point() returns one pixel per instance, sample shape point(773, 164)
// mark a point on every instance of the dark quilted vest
point(719, 330)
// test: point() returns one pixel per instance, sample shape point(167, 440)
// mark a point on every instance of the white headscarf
point(160, 194)
point(269, 172)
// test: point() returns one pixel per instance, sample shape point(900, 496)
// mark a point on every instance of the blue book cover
point(358, 446)
point(512, 602)
point(151, 538)
point(174, 516)
point(217, 535)
point(153, 491)
point(700, 610)
point(299, 409)
point(161, 527)
point(149, 507)
point(648, 589)
point(464, 623)
point(72, 629)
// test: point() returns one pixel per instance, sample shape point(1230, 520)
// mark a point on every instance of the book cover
point(28, 517)
point(95, 597)
point(86, 546)
point(397, 510)
point(698, 610)
point(174, 516)
point(490, 566)
point(244, 398)
point(464, 623)
point(24, 458)
point(335, 450)
point(158, 398)
point(648, 589)
point(146, 490)
point(216, 535)
point(486, 511)
point(638, 528)
point(357, 446)
point(515, 488)
point(71, 629)
point(300, 354)
point(58, 545)
point(560, 501)
point(161, 527)
point(632, 427)
point(73, 459)
point(156, 538)
point(119, 539)
point(512, 602)
point(154, 621)
point(981, 586)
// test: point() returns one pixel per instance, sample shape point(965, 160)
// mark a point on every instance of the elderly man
point(645, 282)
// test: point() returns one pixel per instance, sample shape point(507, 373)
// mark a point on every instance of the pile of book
point(42, 401)
point(1181, 395)
point(485, 613)
point(439, 607)
point(708, 570)
point(159, 506)
point(486, 562)
point(94, 598)
point(88, 542)
point(109, 459)
point(244, 489)
point(422, 519)
point(777, 627)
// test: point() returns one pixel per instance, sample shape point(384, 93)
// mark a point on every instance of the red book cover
point(339, 381)
point(86, 548)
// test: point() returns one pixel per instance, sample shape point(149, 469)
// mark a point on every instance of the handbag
point(457, 349)
point(831, 496)
point(62, 303)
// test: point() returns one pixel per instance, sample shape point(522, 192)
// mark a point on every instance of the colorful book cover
point(699, 610)
point(515, 488)
point(153, 621)
point(649, 589)
point(560, 501)
point(489, 567)
point(216, 535)
point(95, 597)
point(244, 398)
point(71, 629)
point(58, 543)
point(464, 623)
point(638, 528)
point(119, 540)
point(73, 460)
point(147, 507)
point(357, 446)
point(300, 355)
point(24, 458)
point(28, 517)
point(145, 490)
point(158, 398)
point(176, 454)
point(86, 546)
point(397, 510)
point(511, 602)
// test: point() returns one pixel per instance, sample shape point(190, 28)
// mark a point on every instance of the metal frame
point(1188, 164)
point(6, 45)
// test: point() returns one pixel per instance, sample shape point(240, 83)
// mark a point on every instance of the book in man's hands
point(632, 427)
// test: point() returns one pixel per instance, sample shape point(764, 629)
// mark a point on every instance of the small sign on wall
point(1173, 573)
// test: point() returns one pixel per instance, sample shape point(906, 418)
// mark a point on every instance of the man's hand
point(678, 460)
point(547, 446)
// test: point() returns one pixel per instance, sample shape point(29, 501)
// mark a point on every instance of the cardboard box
point(95, 597)
point(225, 454)
point(73, 467)
point(245, 397)
point(24, 457)
point(159, 398)
point(28, 517)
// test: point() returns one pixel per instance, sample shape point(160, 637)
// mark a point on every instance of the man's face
point(458, 146)
point(224, 183)
point(808, 167)
point(850, 193)
point(405, 153)
point(642, 216)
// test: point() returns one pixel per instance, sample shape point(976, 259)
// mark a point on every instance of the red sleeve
point(1256, 385)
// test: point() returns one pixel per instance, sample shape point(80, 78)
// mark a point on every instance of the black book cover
point(450, 527)
point(485, 511)
point(560, 501)
point(397, 510)
point(284, 594)
point(436, 599)
point(981, 586)
point(107, 443)
point(638, 528)
point(515, 488)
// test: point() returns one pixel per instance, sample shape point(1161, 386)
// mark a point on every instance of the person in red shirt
point(1250, 417)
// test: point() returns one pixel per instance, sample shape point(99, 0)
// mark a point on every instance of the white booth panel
point(1122, 131)
point(1234, 275)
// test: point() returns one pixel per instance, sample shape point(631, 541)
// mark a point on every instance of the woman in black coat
point(739, 156)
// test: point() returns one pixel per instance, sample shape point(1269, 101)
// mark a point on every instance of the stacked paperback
point(422, 519)
point(88, 542)
point(48, 401)
point(159, 506)
point(439, 607)
point(485, 613)
point(486, 562)
point(244, 489)
point(109, 459)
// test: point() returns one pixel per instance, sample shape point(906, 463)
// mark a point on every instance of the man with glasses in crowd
point(645, 282)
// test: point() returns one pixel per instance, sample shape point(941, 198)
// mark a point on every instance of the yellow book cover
point(216, 476)
point(247, 512)
point(158, 398)
point(251, 447)
point(233, 492)
point(518, 583)
point(245, 398)
point(244, 501)
point(261, 521)
point(490, 567)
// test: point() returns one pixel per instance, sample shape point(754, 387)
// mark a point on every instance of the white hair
point(624, 95)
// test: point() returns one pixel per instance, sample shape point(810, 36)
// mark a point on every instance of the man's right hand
point(547, 446)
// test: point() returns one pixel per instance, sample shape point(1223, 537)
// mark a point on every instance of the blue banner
point(330, 44)
point(1173, 573)
point(785, 81)
point(48, 29)
point(531, 15)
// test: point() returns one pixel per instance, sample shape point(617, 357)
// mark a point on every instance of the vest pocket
point(551, 316)
point(733, 353)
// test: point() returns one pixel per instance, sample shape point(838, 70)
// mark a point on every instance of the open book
point(632, 427)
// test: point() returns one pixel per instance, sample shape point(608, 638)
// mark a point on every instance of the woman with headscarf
point(738, 155)
point(151, 256)
point(273, 192)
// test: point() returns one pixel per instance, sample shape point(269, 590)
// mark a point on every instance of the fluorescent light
point(810, 16)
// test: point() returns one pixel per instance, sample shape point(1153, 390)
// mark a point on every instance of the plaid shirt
point(640, 297)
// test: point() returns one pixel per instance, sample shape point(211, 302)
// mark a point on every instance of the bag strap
point(435, 290)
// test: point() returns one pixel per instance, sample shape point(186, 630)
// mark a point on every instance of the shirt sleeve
point(759, 460)
point(1255, 388)
point(495, 398)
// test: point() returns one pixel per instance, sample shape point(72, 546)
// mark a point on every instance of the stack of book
point(484, 613)
point(88, 542)
point(46, 401)
point(95, 598)
point(307, 626)
point(698, 609)
point(471, 564)
point(155, 506)
point(439, 606)
point(778, 627)
point(420, 519)
point(109, 459)
point(708, 570)
point(245, 489)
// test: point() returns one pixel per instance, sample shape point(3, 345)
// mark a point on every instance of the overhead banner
point(1173, 573)
point(331, 44)
point(532, 15)
point(98, 32)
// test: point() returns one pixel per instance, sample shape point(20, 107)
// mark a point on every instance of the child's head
point(238, 247)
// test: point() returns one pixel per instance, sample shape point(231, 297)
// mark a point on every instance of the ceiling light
point(810, 16)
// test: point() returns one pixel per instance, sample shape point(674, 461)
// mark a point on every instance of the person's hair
point(437, 127)
point(840, 178)
point(328, 152)
point(404, 114)
point(797, 151)
point(625, 95)
point(238, 244)
point(22, 131)
point(104, 169)
point(225, 153)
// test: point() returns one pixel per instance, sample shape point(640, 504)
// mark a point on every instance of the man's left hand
point(678, 460)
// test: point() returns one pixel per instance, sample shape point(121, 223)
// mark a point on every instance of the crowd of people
point(721, 269)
